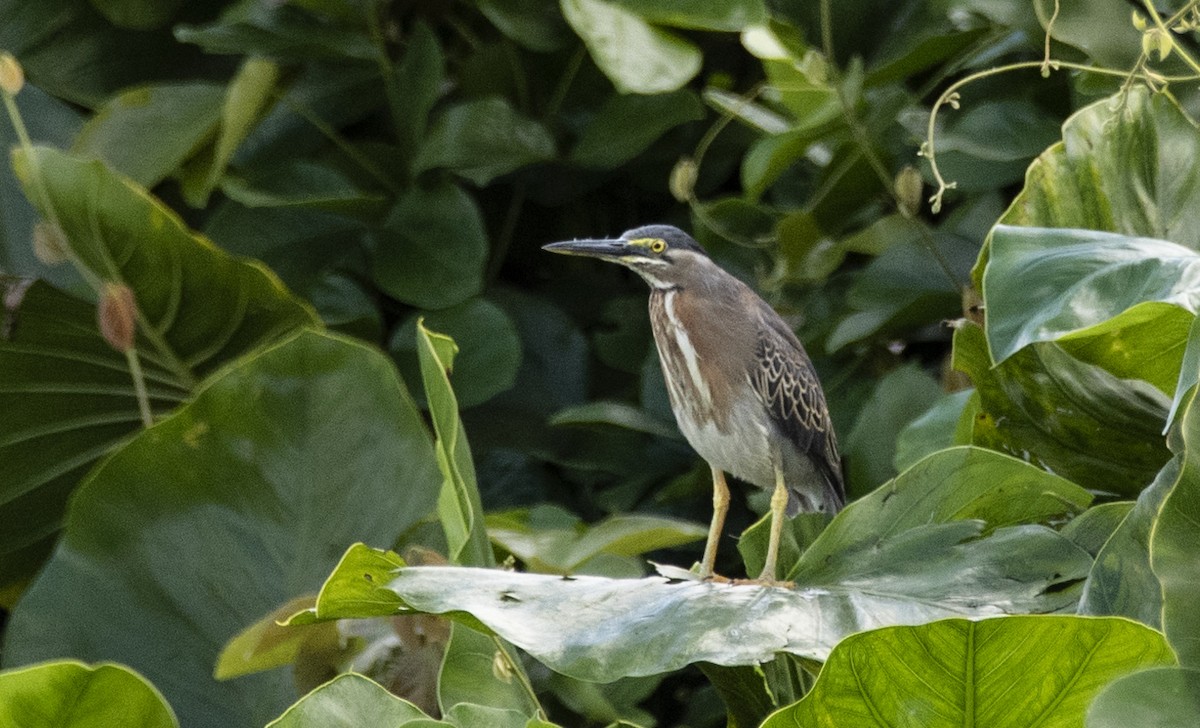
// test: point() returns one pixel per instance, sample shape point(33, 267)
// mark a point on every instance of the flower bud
point(49, 247)
point(117, 316)
point(12, 76)
point(908, 186)
point(683, 179)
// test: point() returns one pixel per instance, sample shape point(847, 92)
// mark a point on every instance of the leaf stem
point(863, 141)
point(386, 69)
point(139, 386)
point(564, 82)
point(39, 186)
point(504, 239)
point(335, 138)
point(518, 670)
point(950, 96)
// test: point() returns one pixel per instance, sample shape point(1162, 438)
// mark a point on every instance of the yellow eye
point(658, 246)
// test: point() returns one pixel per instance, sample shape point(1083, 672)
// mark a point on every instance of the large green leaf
point(221, 512)
point(1139, 294)
point(1163, 697)
point(67, 395)
point(1128, 164)
point(119, 233)
point(882, 561)
point(599, 629)
point(636, 56)
point(68, 399)
point(949, 513)
point(968, 488)
point(1074, 418)
point(69, 694)
point(1013, 672)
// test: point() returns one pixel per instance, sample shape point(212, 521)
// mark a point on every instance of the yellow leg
point(720, 508)
point(779, 500)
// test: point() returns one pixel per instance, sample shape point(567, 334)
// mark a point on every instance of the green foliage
point(1164, 696)
point(1016, 671)
point(245, 178)
point(70, 694)
point(150, 532)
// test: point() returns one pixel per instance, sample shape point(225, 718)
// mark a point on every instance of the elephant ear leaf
point(69, 397)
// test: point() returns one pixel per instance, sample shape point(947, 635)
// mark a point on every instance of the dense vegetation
point(268, 266)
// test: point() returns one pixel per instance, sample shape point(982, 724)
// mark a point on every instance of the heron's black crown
point(675, 238)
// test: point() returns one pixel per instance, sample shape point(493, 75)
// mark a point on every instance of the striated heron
point(742, 387)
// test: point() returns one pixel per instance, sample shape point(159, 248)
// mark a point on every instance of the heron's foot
point(717, 579)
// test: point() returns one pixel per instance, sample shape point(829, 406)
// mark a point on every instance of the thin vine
point(1160, 42)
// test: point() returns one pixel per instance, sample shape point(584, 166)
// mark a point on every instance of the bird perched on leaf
point(741, 386)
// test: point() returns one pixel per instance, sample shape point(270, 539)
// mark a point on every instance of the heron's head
point(665, 256)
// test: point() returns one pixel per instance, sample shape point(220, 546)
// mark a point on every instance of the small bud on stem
point(12, 76)
point(117, 316)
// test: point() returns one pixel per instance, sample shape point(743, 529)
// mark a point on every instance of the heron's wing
point(784, 378)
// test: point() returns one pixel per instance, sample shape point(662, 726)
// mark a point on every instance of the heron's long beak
point(606, 249)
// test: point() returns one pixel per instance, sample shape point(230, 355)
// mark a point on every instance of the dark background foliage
point(393, 161)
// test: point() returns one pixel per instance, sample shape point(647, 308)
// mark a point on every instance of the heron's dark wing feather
point(784, 378)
